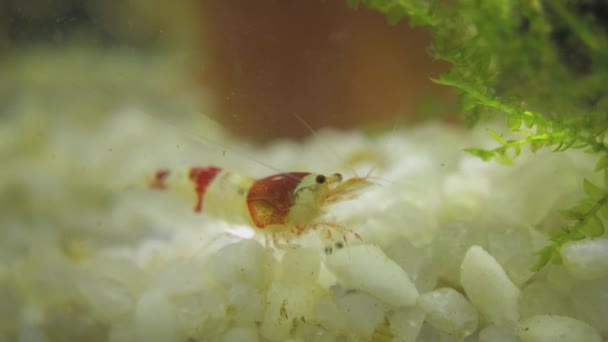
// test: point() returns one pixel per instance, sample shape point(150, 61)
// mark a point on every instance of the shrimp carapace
point(285, 202)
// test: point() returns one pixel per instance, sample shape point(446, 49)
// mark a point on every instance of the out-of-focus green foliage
point(543, 65)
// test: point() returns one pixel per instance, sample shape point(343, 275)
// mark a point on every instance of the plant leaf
point(576, 236)
point(572, 214)
point(517, 151)
point(592, 190)
point(584, 206)
point(559, 146)
point(352, 4)
point(497, 136)
point(545, 256)
point(394, 14)
point(602, 164)
point(568, 144)
point(535, 146)
point(556, 257)
point(514, 123)
point(594, 227)
point(483, 154)
point(503, 158)
point(604, 211)
point(528, 119)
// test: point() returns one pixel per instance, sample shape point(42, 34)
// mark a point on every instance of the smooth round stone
point(554, 328)
point(368, 269)
point(488, 287)
point(447, 310)
point(586, 259)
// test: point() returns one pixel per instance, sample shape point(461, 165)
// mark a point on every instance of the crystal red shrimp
point(286, 203)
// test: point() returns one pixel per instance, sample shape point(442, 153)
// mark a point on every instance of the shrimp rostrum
point(282, 205)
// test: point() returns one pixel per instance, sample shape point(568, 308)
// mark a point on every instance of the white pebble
point(109, 299)
point(285, 303)
point(310, 332)
point(245, 333)
point(203, 312)
point(124, 271)
point(155, 318)
point(590, 298)
point(553, 328)
point(586, 259)
point(247, 303)
point(180, 277)
point(329, 316)
point(430, 334)
point(243, 262)
point(518, 267)
point(353, 313)
point(448, 311)
point(539, 298)
point(30, 334)
point(121, 332)
point(406, 324)
point(361, 313)
point(300, 265)
point(560, 279)
point(488, 287)
point(415, 261)
point(512, 247)
point(368, 269)
point(493, 333)
point(450, 246)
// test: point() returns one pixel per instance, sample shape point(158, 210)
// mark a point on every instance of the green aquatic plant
point(542, 66)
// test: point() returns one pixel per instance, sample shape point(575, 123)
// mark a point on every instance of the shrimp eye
point(320, 179)
point(339, 176)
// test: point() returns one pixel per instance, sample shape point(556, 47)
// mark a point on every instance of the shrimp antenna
point(209, 142)
point(314, 133)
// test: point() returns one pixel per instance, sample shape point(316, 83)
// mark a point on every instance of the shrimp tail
point(195, 178)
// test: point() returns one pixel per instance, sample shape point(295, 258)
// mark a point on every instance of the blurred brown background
point(270, 60)
point(260, 64)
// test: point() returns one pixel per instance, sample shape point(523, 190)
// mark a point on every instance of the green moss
point(542, 66)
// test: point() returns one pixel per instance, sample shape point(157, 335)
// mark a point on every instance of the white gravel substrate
point(447, 240)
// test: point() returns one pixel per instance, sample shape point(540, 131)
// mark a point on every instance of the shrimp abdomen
point(218, 193)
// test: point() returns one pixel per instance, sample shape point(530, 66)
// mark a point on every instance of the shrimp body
point(283, 202)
